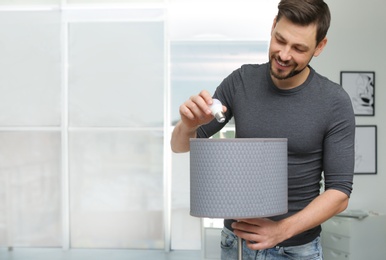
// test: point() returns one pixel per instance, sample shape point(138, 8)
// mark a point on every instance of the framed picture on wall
point(360, 86)
point(365, 149)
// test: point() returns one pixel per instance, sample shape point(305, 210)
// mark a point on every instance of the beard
point(280, 73)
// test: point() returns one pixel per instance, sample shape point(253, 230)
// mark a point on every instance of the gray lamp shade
point(238, 178)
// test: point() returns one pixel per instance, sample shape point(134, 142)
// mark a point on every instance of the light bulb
point(216, 109)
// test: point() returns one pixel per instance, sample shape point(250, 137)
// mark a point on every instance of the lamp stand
point(240, 248)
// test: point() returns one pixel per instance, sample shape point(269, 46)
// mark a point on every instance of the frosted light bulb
point(216, 109)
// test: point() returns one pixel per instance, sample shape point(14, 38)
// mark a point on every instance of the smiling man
point(285, 98)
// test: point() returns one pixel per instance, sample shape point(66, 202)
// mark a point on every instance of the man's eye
point(299, 50)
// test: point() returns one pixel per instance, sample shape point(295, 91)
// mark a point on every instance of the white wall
point(356, 43)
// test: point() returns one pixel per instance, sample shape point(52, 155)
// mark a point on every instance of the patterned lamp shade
point(238, 178)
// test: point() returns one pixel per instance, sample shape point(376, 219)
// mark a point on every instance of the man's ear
point(320, 47)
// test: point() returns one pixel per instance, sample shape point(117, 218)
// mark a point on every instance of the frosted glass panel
point(116, 74)
point(30, 189)
point(30, 82)
point(185, 228)
point(203, 65)
point(116, 189)
point(30, 2)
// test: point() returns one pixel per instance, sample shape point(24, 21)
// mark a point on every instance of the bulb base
point(220, 117)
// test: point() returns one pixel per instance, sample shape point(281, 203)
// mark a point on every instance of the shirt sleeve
point(339, 146)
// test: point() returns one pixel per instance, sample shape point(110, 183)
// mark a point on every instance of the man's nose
point(285, 54)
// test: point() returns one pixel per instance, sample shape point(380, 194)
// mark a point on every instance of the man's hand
point(194, 113)
point(259, 233)
point(196, 110)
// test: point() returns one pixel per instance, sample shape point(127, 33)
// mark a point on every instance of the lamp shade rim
point(243, 216)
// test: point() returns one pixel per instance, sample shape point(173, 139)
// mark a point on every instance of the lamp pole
point(240, 248)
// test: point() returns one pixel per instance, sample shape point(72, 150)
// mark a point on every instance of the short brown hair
point(306, 12)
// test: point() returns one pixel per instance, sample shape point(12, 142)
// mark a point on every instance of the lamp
point(238, 178)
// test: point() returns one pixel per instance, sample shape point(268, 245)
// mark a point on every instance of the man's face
point(291, 49)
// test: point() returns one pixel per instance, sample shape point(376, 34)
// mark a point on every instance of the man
point(286, 98)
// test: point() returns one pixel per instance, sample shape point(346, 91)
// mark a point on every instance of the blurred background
point(89, 94)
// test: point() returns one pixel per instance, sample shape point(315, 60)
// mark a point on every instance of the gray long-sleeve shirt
point(316, 117)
